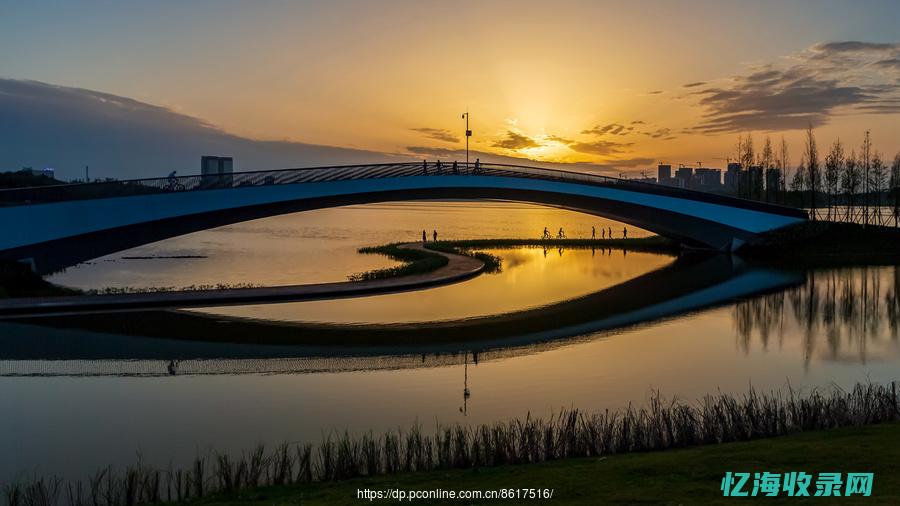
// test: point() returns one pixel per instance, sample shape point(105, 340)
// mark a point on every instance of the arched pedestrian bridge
point(57, 226)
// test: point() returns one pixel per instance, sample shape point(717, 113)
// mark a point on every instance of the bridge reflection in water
point(164, 343)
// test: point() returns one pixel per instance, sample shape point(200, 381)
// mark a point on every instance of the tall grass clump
point(414, 262)
point(659, 425)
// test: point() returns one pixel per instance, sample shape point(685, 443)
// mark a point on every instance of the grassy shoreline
point(530, 447)
point(419, 262)
point(415, 261)
point(681, 476)
point(827, 244)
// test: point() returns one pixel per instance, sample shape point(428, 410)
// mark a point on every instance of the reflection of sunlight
point(528, 279)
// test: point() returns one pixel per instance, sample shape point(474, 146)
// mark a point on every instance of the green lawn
point(687, 476)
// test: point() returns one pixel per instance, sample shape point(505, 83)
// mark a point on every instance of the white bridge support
point(39, 231)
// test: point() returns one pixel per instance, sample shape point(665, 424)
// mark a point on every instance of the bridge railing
point(120, 188)
point(133, 187)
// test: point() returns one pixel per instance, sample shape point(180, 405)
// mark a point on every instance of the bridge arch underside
point(55, 255)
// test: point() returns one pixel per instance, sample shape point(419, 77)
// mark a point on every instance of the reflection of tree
point(847, 308)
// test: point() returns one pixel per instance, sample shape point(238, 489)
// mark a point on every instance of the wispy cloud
point(515, 141)
point(599, 147)
point(611, 128)
point(809, 88)
point(659, 133)
point(438, 134)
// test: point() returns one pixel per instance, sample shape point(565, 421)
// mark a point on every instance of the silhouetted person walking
point(477, 165)
point(455, 167)
point(624, 233)
point(434, 235)
point(438, 167)
point(603, 233)
point(424, 167)
point(424, 237)
point(610, 232)
point(593, 232)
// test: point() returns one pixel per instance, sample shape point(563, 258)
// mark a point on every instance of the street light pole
point(468, 134)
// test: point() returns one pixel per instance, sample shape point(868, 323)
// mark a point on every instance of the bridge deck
point(134, 187)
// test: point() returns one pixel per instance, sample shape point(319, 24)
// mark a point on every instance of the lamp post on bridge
point(468, 134)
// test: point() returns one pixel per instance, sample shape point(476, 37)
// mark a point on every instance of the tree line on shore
point(858, 186)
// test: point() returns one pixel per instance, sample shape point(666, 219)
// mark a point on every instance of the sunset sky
point(615, 84)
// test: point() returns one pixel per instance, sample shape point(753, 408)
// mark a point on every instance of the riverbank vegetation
point(25, 179)
point(682, 476)
point(18, 280)
point(570, 434)
point(824, 243)
point(417, 261)
point(846, 184)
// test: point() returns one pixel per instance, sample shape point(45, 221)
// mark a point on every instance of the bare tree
point(746, 157)
point(798, 182)
point(865, 158)
point(784, 163)
point(878, 177)
point(834, 165)
point(737, 156)
point(766, 161)
point(813, 179)
point(850, 182)
point(895, 188)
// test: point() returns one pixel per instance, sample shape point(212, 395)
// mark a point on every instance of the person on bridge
point(438, 167)
point(593, 232)
point(424, 237)
point(561, 234)
point(603, 233)
point(624, 233)
point(434, 235)
point(610, 232)
point(455, 167)
point(172, 179)
point(424, 167)
point(477, 165)
point(546, 234)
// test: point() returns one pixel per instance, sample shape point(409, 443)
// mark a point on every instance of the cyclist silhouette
point(172, 183)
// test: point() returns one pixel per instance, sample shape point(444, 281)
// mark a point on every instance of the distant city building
point(664, 173)
point(751, 182)
point(684, 177)
point(732, 176)
point(216, 171)
point(706, 178)
point(773, 182)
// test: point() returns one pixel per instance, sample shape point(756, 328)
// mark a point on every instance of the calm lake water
point(74, 400)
